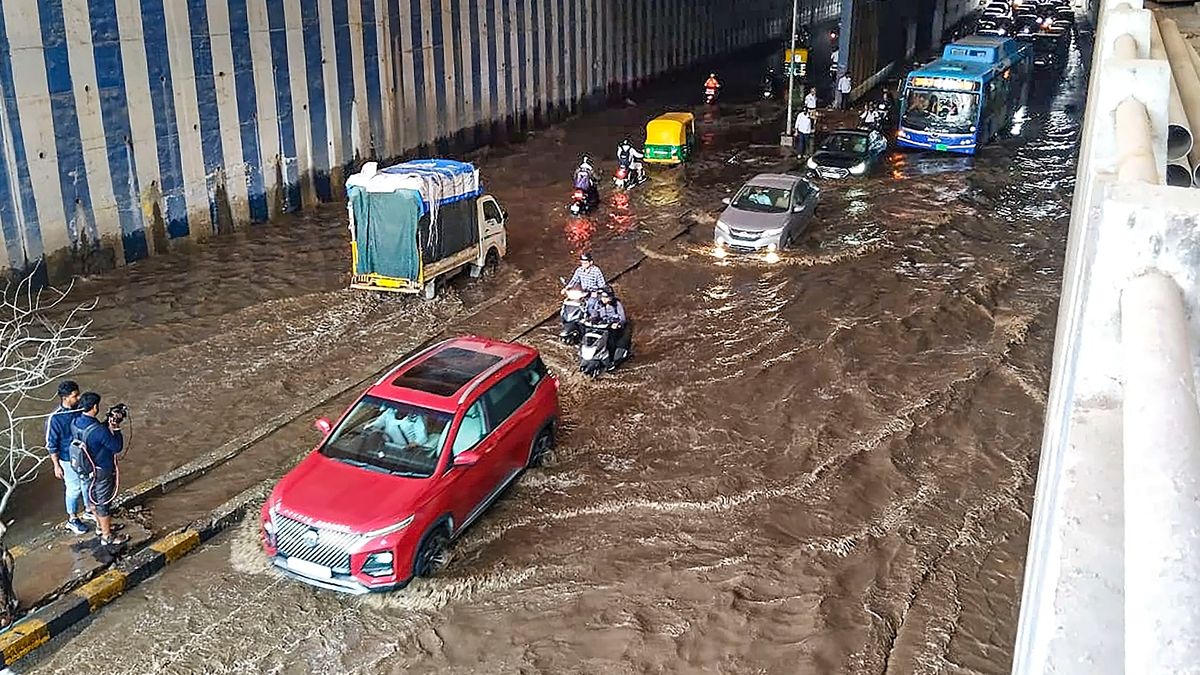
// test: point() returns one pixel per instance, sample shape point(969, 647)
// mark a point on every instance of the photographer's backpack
point(81, 460)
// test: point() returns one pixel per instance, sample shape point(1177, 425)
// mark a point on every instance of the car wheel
point(543, 444)
point(491, 265)
point(431, 557)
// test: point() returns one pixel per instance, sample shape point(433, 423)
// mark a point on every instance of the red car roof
point(425, 381)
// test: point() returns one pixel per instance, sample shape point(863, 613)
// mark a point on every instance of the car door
point(509, 407)
point(469, 485)
point(799, 219)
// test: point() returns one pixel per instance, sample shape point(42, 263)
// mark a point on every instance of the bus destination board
point(944, 83)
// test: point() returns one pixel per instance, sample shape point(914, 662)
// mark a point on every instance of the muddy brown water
point(821, 465)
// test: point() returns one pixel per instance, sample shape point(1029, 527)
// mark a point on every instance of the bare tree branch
point(41, 341)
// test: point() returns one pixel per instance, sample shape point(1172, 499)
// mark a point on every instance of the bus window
point(949, 112)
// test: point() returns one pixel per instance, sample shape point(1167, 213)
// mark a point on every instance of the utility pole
point(786, 138)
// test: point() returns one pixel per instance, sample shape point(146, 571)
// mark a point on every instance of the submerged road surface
point(822, 465)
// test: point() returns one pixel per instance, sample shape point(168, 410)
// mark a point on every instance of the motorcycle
point(628, 177)
point(594, 351)
point(572, 314)
point(710, 95)
point(583, 201)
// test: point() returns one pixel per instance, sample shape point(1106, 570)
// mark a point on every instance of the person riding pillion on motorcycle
point(585, 178)
point(587, 276)
point(606, 310)
point(628, 155)
point(712, 82)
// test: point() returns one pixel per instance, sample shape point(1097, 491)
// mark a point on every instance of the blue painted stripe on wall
point(72, 172)
point(561, 32)
point(310, 19)
point(247, 104)
point(397, 83)
point(504, 30)
point(277, 25)
point(522, 66)
point(418, 60)
point(438, 54)
point(490, 35)
point(22, 230)
point(459, 86)
point(345, 77)
point(166, 130)
point(371, 70)
point(206, 102)
point(114, 114)
point(476, 62)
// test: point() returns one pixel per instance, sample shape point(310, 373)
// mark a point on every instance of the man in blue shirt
point(587, 276)
point(104, 445)
point(58, 444)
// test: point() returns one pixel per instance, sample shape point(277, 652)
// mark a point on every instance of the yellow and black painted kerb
point(54, 619)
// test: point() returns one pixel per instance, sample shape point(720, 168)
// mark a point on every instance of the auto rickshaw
point(670, 138)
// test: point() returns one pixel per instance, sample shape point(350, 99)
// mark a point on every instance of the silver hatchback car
point(769, 213)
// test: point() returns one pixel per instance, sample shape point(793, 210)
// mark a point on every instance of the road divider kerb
point(54, 619)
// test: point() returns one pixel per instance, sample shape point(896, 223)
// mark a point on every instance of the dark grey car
point(769, 212)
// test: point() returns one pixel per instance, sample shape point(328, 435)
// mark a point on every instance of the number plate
point(308, 569)
point(941, 146)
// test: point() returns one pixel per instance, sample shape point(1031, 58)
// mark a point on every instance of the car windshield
point(849, 143)
point(763, 199)
point(949, 112)
point(389, 437)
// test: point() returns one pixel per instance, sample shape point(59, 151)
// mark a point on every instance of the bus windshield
point(947, 112)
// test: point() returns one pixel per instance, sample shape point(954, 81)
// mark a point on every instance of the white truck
point(421, 221)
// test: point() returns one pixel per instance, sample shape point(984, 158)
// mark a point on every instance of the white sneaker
point(77, 527)
point(88, 516)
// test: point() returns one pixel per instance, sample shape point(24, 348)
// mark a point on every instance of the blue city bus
point(967, 97)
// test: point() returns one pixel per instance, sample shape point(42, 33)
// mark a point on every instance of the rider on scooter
point(607, 311)
point(629, 156)
point(585, 179)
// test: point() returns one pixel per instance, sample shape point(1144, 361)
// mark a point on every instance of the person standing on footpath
point(804, 131)
point(843, 91)
point(58, 444)
point(103, 444)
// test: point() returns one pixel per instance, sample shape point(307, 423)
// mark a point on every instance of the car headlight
point(389, 529)
point(859, 169)
point(722, 226)
point(812, 163)
point(379, 564)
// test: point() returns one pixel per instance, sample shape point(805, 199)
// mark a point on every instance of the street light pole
point(786, 138)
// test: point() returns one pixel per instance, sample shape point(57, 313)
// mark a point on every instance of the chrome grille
point(833, 172)
point(747, 235)
point(296, 539)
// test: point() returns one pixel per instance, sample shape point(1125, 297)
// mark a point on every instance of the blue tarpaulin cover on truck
point(411, 214)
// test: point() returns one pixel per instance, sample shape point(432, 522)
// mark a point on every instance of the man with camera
point(95, 448)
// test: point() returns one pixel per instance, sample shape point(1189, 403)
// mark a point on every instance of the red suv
point(417, 458)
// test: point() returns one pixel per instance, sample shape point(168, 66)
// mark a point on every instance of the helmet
point(585, 256)
point(712, 74)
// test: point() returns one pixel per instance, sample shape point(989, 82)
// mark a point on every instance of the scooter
point(710, 95)
point(594, 350)
point(627, 177)
point(572, 314)
point(583, 201)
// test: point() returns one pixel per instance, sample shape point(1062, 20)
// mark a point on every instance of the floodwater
point(821, 465)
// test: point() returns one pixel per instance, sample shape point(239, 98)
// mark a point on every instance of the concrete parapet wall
point(129, 125)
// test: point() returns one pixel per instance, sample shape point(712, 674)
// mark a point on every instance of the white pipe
point(1161, 436)
point(1179, 130)
point(1184, 72)
point(1194, 159)
point(1135, 154)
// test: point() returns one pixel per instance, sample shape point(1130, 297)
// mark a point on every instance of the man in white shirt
point(810, 101)
point(843, 91)
point(804, 131)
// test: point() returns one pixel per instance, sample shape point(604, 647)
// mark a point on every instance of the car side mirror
point(323, 425)
point(466, 459)
point(797, 209)
point(725, 201)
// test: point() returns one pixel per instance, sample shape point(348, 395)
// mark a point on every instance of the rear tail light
point(621, 172)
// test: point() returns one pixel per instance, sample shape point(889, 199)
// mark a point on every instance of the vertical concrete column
point(845, 36)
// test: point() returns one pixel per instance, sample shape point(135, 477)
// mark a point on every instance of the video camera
point(117, 414)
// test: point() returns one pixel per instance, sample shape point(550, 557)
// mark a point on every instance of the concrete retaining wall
point(128, 125)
